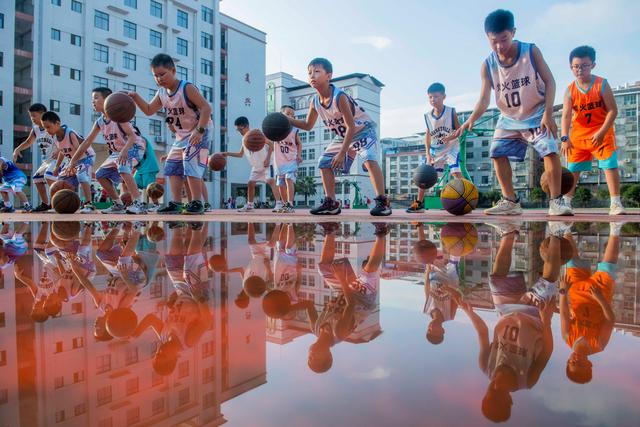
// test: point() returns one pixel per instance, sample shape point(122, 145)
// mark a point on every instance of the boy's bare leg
point(505, 178)
point(328, 183)
point(553, 168)
point(376, 176)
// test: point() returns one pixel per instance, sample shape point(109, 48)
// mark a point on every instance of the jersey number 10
point(515, 99)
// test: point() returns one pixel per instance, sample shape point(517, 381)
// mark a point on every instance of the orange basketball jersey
point(589, 110)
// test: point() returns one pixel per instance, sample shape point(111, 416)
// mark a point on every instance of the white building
point(284, 89)
point(64, 48)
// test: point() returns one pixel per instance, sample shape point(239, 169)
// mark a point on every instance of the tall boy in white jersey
point(524, 90)
point(190, 115)
point(354, 134)
point(46, 144)
point(126, 149)
point(442, 149)
point(287, 155)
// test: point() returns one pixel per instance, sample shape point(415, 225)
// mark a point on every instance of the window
point(485, 154)
point(128, 87)
point(78, 342)
point(55, 34)
point(78, 376)
point(2, 320)
point(76, 6)
point(206, 40)
point(157, 407)
point(97, 82)
point(183, 19)
point(1, 102)
point(155, 38)
point(59, 414)
point(130, 30)
point(183, 369)
point(312, 136)
point(74, 74)
point(129, 61)
point(207, 14)
point(207, 349)
point(208, 375)
point(3, 358)
point(183, 397)
point(104, 395)
point(156, 9)
point(131, 356)
point(304, 155)
point(156, 379)
point(103, 363)
point(131, 3)
point(74, 109)
point(207, 93)
point(106, 423)
point(183, 47)
point(101, 20)
point(485, 179)
point(209, 400)
point(1, 20)
point(303, 137)
point(54, 105)
point(182, 73)
point(55, 69)
point(58, 382)
point(206, 67)
point(133, 416)
point(312, 153)
point(76, 40)
point(327, 134)
point(100, 52)
point(312, 171)
point(152, 94)
point(132, 386)
point(79, 409)
point(155, 127)
point(56, 2)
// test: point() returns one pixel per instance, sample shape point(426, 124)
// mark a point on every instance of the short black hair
point(583, 52)
point(436, 87)
point(104, 91)
point(37, 108)
point(241, 121)
point(499, 21)
point(162, 60)
point(287, 106)
point(323, 62)
point(50, 117)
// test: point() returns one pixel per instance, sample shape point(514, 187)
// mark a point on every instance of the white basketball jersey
point(439, 127)
point(65, 146)
point(114, 134)
point(518, 88)
point(286, 151)
point(45, 142)
point(181, 113)
point(334, 119)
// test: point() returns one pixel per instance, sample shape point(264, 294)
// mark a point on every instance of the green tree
point(537, 195)
point(603, 193)
point(307, 187)
point(631, 194)
point(583, 196)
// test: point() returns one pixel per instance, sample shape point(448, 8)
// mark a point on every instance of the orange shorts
point(583, 153)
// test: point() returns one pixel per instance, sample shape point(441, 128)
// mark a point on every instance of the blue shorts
point(364, 145)
point(84, 168)
point(14, 185)
point(288, 171)
point(185, 159)
point(514, 143)
point(111, 169)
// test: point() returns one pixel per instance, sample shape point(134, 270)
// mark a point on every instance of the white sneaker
point(557, 207)
point(559, 228)
point(567, 202)
point(152, 207)
point(504, 228)
point(246, 208)
point(505, 207)
point(616, 209)
point(88, 208)
point(278, 207)
point(136, 208)
point(116, 208)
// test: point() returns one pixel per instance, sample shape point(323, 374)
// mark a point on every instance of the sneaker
point(327, 207)
point(42, 207)
point(1, 204)
point(7, 209)
point(116, 208)
point(504, 228)
point(194, 207)
point(136, 208)
point(567, 202)
point(616, 209)
point(172, 208)
point(505, 207)
point(416, 207)
point(382, 207)
point(559, 228)
point(207, 207)
point(152, 208)
point(557, 207)
point(176, 224)
point(382, 229)
point(196, 225)
point(246, 208)
point(287, 208)
point(278, 207)
point(26, 208)
point(88, 208)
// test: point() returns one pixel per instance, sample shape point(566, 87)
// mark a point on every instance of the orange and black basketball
point(66, 230)
point(61, 184)
point(155, 190)
point(120, 107)
point(254, 140)
point(217, 162)
point(566, 183)
point(65, 201)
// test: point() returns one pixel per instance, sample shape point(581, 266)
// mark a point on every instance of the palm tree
point(307, 187)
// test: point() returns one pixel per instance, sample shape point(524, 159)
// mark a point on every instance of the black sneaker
point(8, 209)
point(176, 224)
point(327, 207)
point(382, 207)
point(196, 225)
point(416, 207)
point(172, 208)
point(382, 229)
point(42, 207)
point(207, 207)
point(194, 207)
point(26, 208)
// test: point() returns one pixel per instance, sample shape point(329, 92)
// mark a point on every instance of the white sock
point(568, 198)
point(8, 204)
point(615, 199)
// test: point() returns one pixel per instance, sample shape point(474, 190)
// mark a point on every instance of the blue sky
point(409, 44)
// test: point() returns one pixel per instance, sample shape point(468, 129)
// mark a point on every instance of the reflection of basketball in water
point(217, 263)
point(254, 286)
point(459, 197)
point(121, 322)
point(155, 233)
point(459, 239)
point(276, 304)
point(66, 230)
point(566, 250)
point(425, 251)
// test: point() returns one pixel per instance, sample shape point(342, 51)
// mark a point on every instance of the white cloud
point(378, 42)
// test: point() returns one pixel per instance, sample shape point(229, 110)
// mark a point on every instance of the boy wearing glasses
point(587, 125)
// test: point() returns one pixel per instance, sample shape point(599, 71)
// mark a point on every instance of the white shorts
point(259, 175)
point(45, 171)
point(450, 157)
point(286, 171)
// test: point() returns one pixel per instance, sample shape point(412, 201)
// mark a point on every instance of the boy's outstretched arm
point(549, 93)
point(95, 131)
point(307, 124)
point(148, 109)
point(481, 105)
point(25, 144)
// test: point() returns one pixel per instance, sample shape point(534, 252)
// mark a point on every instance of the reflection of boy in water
point(357, 297)
point(586, 316)
point(522, 340)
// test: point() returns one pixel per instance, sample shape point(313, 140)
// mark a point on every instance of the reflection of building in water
point(60, 373)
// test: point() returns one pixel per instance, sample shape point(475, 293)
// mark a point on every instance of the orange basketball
point(217, 162)
point(254, 140)
point(155, 190)
point(120, 107)
point(65, 201)
point(566, 183)
point(61, 184)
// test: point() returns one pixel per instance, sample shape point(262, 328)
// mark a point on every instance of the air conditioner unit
point(627, 175)
point(627, 160)
point(109, 69)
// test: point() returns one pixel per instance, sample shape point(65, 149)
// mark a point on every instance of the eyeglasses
point(582, 67)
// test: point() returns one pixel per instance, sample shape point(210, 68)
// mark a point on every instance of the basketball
point(61, 184)
point(65, 201)
point(254, 286)
point(155, 233)
point(458, 238)
point(425, 252)
point(254, 140)
point(425, 176)
point(120, 107)
point(566, 183)
point(126, 198)
point(218, 263)
point(276, 304)
point(66, 230)
point(217, 162)
point(459, 196)
point(566, 250)
point(155, 190)
point(276, 126)
point(121, 322)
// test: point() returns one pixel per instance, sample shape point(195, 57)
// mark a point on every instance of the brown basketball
point(254, 140)
point(120, 107)
point(66, 230)
point(61, 184)
point(155, 233)
point(217, 162)
point(126, 198)
point(565, 186)
point(155, 190)
point(65, 201)
point(121, 322)
point(218, 263)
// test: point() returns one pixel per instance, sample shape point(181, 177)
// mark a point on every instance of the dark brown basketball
point(66, 230)
point(65, 201)
point(61, 184)
point(217, 162)
point(121, 322)
point(155, 233)
point(126, 198)
point(155, 190)
point(254, 286)
point(565, 186)
point(218, 263)
point(254, 140)
point(120, 107)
